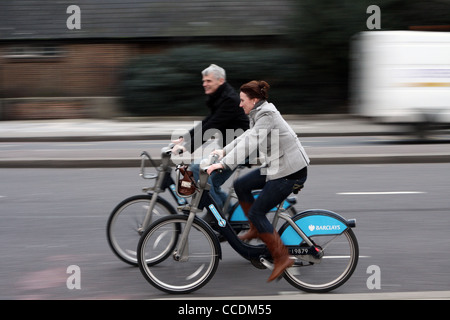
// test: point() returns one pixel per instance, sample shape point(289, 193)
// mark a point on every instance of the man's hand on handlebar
point(178, 147)
point(178, 141)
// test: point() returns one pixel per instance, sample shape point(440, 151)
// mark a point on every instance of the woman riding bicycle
point(285, 165)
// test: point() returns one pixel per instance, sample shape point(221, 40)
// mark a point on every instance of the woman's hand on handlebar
point(215, 166)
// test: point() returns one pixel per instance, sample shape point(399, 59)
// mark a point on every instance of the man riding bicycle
point(226, 119)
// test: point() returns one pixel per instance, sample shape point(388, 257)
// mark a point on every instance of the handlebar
point(166, 152)
point(206, 163)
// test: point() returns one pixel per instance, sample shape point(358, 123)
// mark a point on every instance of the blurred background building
point(144, 57)
point(48, 70)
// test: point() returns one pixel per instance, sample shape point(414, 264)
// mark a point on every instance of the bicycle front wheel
point(178, 271)
point(124, 227)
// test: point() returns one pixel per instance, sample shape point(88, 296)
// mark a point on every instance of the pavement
point(162, 128)
point(84, 130)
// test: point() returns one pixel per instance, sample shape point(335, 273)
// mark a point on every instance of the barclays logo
point(312, 227)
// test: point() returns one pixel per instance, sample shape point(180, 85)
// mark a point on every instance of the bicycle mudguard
point(314, 223)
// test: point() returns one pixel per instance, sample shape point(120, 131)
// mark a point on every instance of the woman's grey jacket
point(280, 151)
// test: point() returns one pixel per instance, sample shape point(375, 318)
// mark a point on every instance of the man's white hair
point(217, 71)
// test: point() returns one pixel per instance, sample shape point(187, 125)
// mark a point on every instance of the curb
point(90, 138)
point(135, 162)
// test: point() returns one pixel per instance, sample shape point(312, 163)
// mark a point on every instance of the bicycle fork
point(181, 253)
point(156, 191)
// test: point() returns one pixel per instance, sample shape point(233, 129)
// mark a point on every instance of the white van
point(402, 77)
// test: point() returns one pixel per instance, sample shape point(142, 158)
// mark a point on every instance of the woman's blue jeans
point(273, 193)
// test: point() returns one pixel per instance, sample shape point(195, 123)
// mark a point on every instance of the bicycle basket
point(185, 182)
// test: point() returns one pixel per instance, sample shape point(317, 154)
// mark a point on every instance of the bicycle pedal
point(266, 263)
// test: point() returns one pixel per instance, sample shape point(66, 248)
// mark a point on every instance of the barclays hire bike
point(180, 253)
point(131, 216)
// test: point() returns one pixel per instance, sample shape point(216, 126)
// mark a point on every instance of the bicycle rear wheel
point(169, 272)
point(124, 227)
point(333, 269)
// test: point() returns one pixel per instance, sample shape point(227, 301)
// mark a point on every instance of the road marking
point(379, 193)
point(8, 145)
point(343, 257)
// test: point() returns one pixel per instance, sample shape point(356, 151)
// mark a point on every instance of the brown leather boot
point(252, 233)
point(279, 253)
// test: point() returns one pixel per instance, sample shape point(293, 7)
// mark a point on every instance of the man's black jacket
point(225, 113)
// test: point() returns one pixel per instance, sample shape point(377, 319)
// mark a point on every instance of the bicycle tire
point(338, 258)
point(178, 275)
point(125, 248)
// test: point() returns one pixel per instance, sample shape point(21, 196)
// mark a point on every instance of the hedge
point(170, 83)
